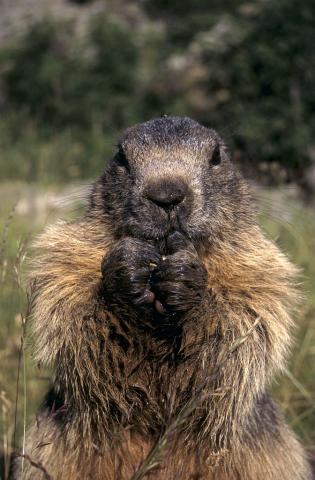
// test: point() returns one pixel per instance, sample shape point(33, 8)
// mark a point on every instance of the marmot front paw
point(180, 280)
point(126, 272)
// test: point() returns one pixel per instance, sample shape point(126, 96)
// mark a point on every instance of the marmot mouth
point(157, 232)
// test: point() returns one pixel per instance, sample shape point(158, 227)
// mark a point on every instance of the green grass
point(33, 154)
point(23, 213)
point(292, 225)
point(25, 210)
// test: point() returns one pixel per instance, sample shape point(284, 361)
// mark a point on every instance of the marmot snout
point(167, 193)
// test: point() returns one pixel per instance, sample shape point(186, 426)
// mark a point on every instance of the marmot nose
point(167, 193)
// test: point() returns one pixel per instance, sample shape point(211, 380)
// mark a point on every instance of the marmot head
point(172, 174)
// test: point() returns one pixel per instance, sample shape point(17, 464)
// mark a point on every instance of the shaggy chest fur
point(145, 378)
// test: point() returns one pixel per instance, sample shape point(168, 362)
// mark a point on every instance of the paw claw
point(159, 307)
point(147, 297)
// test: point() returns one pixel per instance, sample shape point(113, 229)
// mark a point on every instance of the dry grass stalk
point(37, 465)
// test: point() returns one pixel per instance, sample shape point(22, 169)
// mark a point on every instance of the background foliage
point(245, 68)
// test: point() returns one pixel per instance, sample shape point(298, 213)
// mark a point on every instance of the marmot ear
point(216, 156)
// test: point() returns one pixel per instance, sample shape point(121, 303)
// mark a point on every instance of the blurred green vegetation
point(24, 211)
point(291, 224)
point(245, 68)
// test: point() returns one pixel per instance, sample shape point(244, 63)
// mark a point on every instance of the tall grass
point(23, 213)
point(292, 225)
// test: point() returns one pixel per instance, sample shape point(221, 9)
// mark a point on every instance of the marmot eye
point(216, 156)
point(121, 160)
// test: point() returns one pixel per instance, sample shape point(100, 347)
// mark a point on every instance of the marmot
point(164, 292)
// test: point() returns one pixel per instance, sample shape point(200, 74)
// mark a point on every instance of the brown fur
point(118, 383)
